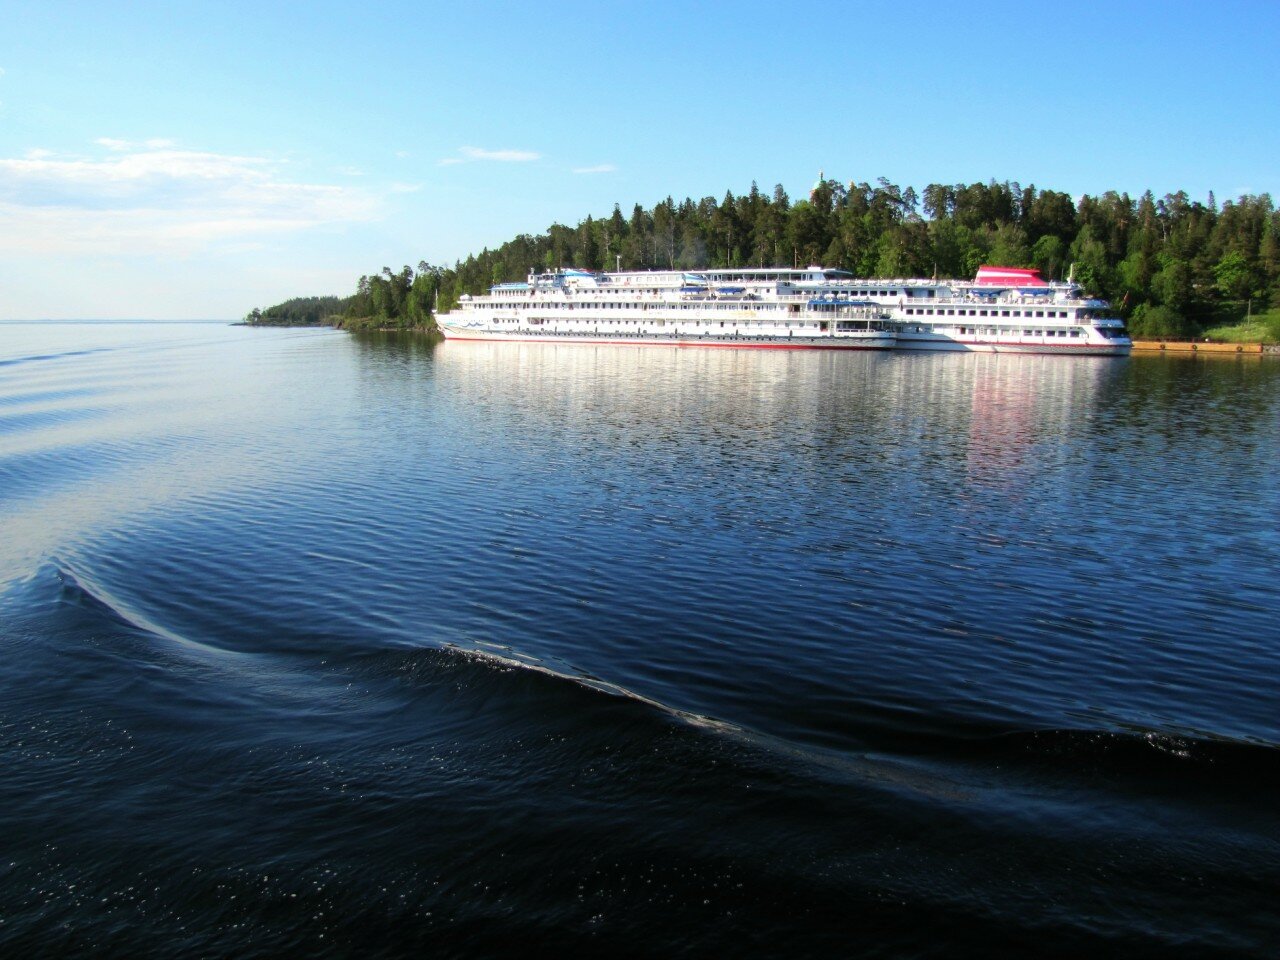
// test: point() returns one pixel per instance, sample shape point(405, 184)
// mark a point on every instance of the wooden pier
point(1195, 346)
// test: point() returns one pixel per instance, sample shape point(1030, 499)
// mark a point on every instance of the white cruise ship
point(1003, 310)
point(734, 308)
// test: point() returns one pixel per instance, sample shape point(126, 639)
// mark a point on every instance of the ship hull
point(871, 341)
point(1013, 346)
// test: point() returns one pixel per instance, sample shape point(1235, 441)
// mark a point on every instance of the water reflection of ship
point(1001, 404)
point(637, 396)
point(1018, 403)
point(997, 406)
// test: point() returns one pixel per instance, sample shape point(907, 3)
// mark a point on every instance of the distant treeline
point(299, 311)
point(1171, 265)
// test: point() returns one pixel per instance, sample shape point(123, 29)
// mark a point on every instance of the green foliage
point(1152, 322)
point(1173, 286)
point(1009, 248)
point(1233, 275)
point(300, 311)
point(1049, 255)
point(1089, 254)
point(397, 301)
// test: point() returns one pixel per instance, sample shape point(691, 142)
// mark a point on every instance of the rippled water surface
point(333, 645)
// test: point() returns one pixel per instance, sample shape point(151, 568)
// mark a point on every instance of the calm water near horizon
point(337, 645)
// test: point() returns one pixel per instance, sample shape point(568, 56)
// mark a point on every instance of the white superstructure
point(724, 309)
point(1002, 310)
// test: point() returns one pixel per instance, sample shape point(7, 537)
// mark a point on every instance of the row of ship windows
point(526, 294)
point(702, 305)
point(930, 311)
point(697, 323)
point(1026, 333)
point(964, 331)
point(631, 291)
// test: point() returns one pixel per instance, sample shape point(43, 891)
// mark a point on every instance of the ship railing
point(1007, 300)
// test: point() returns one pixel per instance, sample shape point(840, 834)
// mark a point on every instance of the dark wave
point(507, 682)
point(76, 590)
point(510, 682)
point(39, 396)
point(1143, 758)
point(79, 590)
point(36, 358)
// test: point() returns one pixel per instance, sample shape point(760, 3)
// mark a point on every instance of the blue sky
point(185, 160)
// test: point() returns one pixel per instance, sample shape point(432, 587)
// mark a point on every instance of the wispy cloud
point(473, 154)
point(598, 168)
point(150, 197)
point(119, 146)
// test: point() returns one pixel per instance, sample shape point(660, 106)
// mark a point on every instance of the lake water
point(321, 644)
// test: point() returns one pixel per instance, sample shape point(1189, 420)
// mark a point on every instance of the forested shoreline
point(1173, 266)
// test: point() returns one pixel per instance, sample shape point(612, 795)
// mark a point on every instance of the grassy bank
point(1259, 328)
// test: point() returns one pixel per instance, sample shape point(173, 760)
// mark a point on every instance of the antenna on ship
point(1071, 273)
point(618, 257)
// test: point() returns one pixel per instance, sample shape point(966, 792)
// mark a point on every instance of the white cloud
point(155, 199)
point(470, 154)
point(503, 156)
point(598, 168)
point(112, 143)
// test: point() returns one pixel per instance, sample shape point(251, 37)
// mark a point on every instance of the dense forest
point(1172, 266)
